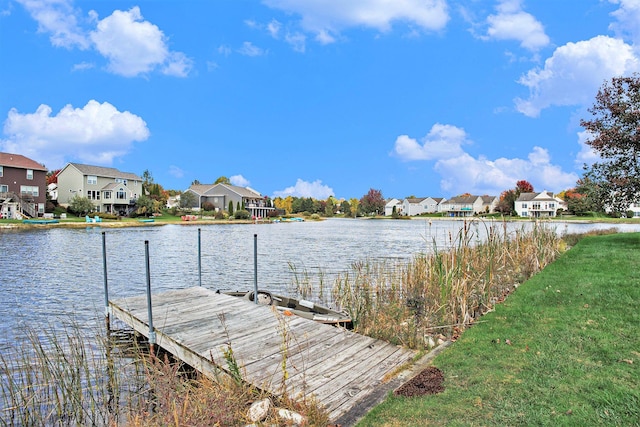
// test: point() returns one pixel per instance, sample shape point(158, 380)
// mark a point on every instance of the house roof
point(209, 190)
point(415, 200)
point(526, 197)
point(463, 200)
point(104, 172)
point(19, 161)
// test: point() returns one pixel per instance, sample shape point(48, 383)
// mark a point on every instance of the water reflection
point(52, 274)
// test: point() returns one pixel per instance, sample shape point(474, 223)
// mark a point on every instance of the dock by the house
point(340, 368)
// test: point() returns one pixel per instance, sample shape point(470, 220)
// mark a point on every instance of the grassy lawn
point(564, 349)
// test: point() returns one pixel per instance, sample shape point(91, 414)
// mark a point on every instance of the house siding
point(14, 179)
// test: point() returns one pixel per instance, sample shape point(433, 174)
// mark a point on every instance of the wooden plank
point(338, 366)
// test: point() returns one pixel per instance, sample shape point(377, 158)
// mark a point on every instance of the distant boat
point(299, 307)
point(147, 220)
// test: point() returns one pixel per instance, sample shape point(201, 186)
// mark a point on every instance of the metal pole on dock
point(255, 268)
point(152, 331)
point(107, 312)
point(199, 259)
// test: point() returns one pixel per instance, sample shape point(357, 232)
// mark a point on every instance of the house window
point(121, 181)
point(107, 195)
point(92, 180)
point(31, 190)
point(93, 195)
point(1, 171)
point(4, 188)
point(121, 195)
point(29, 173)
point(524, 206)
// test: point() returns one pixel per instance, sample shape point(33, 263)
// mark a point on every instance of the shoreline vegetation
point(64, 377)
point(164, 219)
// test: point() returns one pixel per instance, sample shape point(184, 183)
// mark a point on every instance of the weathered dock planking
point(339, 367)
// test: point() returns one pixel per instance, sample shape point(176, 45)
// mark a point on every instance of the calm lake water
point(52, 275)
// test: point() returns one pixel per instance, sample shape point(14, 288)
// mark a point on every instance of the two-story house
point(109, 189)
point(469, 205)
point(419, 205)
point(538, 205)
point(220, 195)
point(23, 187)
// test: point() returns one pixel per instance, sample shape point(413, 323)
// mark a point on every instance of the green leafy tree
point(223, 180)
point(147, 180)
point(188, 200)
point(81, 205)
point(144, 205)
point(230, 208)
point(614, 134)
point(195, 182)
point(372, 202)
point(345, 207)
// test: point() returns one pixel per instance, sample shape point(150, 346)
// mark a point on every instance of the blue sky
point(314, 97)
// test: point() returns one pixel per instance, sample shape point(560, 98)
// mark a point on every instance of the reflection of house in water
point(220, 195)
point(23, 185)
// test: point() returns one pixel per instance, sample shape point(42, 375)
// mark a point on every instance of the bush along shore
point(65, 377)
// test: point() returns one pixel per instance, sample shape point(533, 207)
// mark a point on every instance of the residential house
point(538, 205)
point(109, 189)
point(23, 184)
point(393, 203)
point(464, 206)
point(220, 195)
point(417, 206)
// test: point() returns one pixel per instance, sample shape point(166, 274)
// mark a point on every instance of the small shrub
point(242, 214)
point(208, 206)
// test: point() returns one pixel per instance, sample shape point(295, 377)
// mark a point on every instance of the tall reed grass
point(437, 294)
point(67, 376)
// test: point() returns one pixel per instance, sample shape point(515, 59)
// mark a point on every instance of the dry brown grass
point(436, 295)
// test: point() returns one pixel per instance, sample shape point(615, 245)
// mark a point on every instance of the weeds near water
point(436, 295)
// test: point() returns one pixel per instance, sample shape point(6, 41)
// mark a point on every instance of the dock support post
point(199, 259)
point(107, 311)
point(255, 268)
point(152, 331)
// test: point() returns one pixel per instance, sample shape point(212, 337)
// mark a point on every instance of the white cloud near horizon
point(96, 133)
point(249, 49)
point(326, 19)
point(462, 173)
point(302, 188)
point(627, 26)
point(512, 23)
point(131, 45)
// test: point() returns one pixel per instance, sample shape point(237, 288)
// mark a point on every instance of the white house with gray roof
point(538, 205)
point(220, 195)
point(109, 189)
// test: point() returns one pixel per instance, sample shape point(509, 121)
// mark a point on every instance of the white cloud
point(273, 28)
point(443, 141)
point(224, 50)
point(60, 20)
point(134, 46)
point(176, 171)
point(83, 66)
point(511, 23)
point(628, 20)
point(302, 188)
point(586, 154)
point(96, 133)
point(462, 173)
point(483, 176)
point(574, 73)
point(239, 180)
point(327, 18)
point(249, 49)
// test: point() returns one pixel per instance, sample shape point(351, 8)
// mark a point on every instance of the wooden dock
point(340, 368)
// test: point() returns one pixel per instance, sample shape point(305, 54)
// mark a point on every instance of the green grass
point(573, 357)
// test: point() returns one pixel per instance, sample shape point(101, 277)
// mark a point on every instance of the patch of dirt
point(428, 381)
